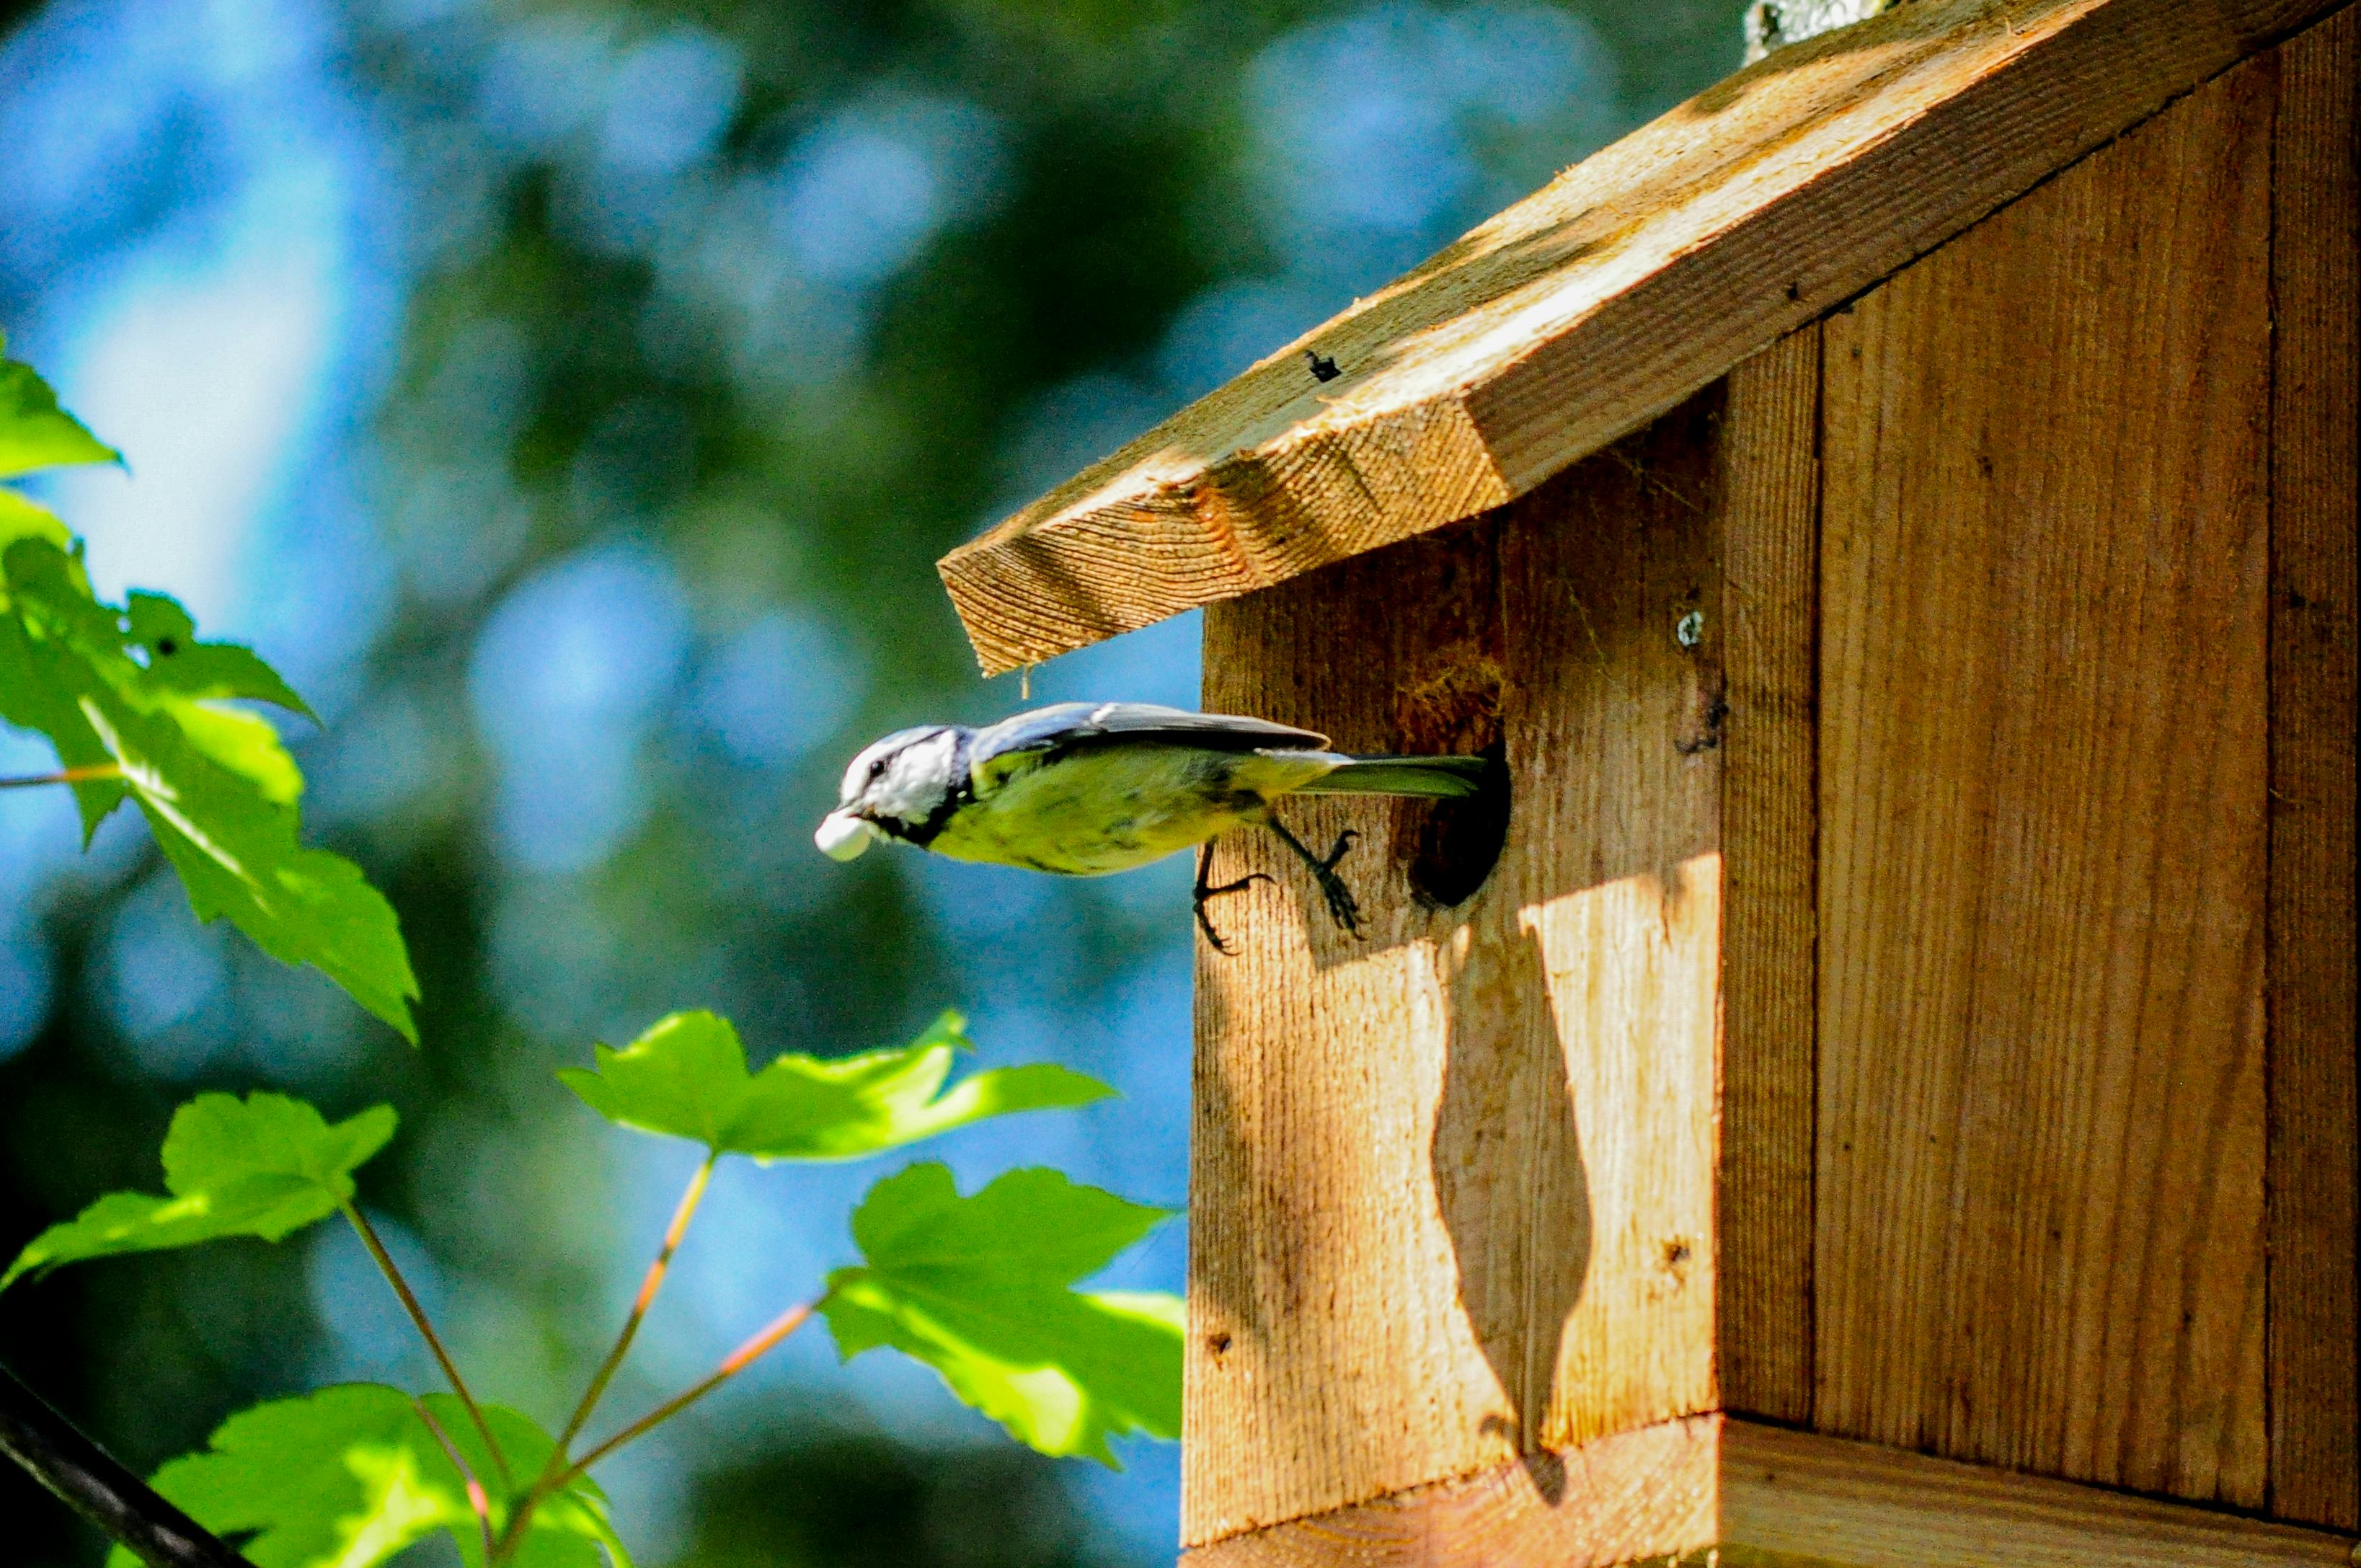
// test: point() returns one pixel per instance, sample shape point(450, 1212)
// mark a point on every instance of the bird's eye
point(877, 769)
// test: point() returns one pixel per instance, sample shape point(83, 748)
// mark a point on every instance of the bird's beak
point(842, 836)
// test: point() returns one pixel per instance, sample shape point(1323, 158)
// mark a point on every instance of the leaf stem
point(476, 1497)
point(427, 1332)
point(553, 1474)
point(90, 775)
point(682, 1215)
point(737, 1361)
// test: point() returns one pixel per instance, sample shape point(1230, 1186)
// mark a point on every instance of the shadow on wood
point(1394, 1140)
point(1509, 1177)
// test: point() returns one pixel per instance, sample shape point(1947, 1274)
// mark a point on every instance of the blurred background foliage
point(573, 397)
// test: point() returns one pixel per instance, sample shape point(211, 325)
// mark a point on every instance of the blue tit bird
point(1082, 789)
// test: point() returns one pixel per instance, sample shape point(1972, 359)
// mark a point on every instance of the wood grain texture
point(1792, 1497)
point(1451, 1193)
point(1770, 452)
point(1635, 1495)
point(2315, 1332)
point(1711, 1492)
point(1635, 279)
point(2043, 772)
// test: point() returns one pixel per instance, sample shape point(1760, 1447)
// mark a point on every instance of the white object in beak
point(843, 836)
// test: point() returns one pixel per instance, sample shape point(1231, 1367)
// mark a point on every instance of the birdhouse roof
point(1575, 317)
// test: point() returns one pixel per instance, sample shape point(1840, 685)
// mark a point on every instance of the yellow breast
point(1109, 809)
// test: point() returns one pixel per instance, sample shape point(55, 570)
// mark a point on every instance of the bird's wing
point(1027, 737)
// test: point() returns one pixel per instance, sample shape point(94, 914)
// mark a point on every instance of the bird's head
point(894, 789)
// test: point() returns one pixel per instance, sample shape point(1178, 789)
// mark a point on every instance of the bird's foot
point(1343, 908)
point(1205, 891)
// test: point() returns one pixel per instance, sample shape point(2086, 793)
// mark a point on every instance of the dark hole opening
point(1460, 839)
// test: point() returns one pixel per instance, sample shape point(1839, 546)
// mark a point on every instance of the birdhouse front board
point(1876, 1084)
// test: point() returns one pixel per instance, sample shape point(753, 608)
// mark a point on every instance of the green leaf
point(243, 744)
point(687, 1077)
point(349, 1476)
point(21, 518)
point(37, 683)
point(135, 688)
point(265, 1166)
point(36, 433)
point(179, 664)
point(980, 1289)
point(236, 852)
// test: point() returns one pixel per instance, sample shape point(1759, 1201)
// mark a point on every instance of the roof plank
point(1575, 317)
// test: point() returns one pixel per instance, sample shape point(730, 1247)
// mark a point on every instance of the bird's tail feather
point(1436, 778)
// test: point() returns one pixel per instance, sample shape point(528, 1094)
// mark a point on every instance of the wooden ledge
point(1709, 1489)
point(1575, 317)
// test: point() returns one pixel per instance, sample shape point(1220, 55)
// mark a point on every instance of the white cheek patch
point(842, 838)
point(916, 780)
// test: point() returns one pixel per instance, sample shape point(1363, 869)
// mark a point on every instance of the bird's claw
point(1205, 889)
point(1343, 908)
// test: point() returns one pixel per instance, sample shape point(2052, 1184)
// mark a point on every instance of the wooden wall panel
point(1453, 1192)
point(1637, 1495)
point(2314, 1351)
point(1769, 830)
point(1709, 1490)
point(2043, 772)
point(1796, 1499)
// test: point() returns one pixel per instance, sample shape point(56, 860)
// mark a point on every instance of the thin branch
point(90, 775)
point(87, 1479)
point(685, 1211)
point(434, 1341)
point(476, 1497)
point(737, 1361)
point(556, 1474)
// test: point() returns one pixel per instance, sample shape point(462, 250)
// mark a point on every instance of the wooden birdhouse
point(1880, 1089)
